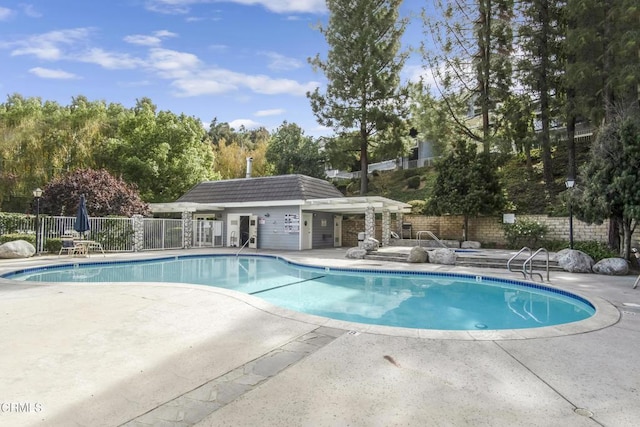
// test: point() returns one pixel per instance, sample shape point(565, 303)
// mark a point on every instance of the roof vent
point(249, 163)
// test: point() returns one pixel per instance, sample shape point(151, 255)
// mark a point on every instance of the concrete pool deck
point(180, 355)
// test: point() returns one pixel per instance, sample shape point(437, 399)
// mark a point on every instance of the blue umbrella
point(82, 217)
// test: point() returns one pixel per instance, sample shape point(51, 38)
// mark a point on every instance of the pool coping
point(606, 314)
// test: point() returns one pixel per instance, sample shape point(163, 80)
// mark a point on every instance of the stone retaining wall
point(487, 230)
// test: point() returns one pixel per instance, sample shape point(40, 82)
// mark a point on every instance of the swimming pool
point(421, 300)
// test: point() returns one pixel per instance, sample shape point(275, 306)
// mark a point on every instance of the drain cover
point(584, 412)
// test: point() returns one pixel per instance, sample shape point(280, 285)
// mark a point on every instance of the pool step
point(469, 260)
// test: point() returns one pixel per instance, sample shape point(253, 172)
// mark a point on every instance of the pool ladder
point(433, 236)
point(529, 263)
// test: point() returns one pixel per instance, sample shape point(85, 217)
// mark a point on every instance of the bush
point(524, 233)
point(31, 238)
point(53, 245)
point(413, 182)
point(596, 250)
point(418, 206)
point(408, 173)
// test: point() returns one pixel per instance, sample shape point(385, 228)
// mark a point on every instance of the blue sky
point(241, 61)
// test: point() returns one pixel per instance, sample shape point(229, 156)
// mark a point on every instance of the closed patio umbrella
point(82, 217)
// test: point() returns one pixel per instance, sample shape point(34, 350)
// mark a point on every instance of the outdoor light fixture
point(570, 183)
point(37, 194)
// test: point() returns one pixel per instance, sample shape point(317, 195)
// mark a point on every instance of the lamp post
point(37, 194)
point(570, 183)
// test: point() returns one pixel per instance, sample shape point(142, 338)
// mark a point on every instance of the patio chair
point(70, 246)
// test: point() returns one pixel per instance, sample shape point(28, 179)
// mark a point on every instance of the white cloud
point(146, 40)
point(247, 123)
point(196, 87)
point(181, 7)
point(48, 45)
point(268, 86)
point(47, 73)
point(172, 64)
point(163, 34)
point(5, 13)
point(217, 80)
point(143, 40)
point(273, 112)
point(282, 63)
point(287, 6)
point(109, 60)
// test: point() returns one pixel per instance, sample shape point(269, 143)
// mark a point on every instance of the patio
point(179, 355)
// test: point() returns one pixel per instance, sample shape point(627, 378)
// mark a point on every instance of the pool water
point(408, 299)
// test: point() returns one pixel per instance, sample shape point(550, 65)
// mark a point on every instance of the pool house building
point(284, 212)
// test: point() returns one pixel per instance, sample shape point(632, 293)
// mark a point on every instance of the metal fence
point(115, 234)
point(124, 234)
point(162, 234)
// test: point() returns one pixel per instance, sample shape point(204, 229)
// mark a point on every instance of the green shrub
point(31, 238)
point(596, 250)
point(408, 173)
point(413, 182)
point(53, 245)
point(524, 233)
point(417, 206)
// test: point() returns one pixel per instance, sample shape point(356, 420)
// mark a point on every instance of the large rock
point(443, 256)
point(418, 255)
point(370, 244)
point(611, 266)
point(17, 249)
point(470, 244)
point(574, 261)
point(356, 253)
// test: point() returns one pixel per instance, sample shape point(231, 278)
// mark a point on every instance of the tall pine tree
point(362, 68)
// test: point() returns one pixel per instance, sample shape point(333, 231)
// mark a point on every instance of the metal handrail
point(516, 256)
point(433, 236)
point(243, 246)
point(530, 262)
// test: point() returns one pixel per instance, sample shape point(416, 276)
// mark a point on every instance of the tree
point(466, 185)
point(290, 151)
point(471, 59)
point(363, 67)
point(609, 180)
point(541, 39)
point(105, 195)
point(163, 153)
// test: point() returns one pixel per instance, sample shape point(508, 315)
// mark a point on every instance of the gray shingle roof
point(261, 189)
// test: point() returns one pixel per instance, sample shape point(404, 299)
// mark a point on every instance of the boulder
point(17, 249)
point(370, 244)
point(611, 266)
point(356, 253)
point(470, 244)
point(418, 255)
point(574, 261)
point(442, 256)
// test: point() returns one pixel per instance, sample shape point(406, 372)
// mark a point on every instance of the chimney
point(249, 162)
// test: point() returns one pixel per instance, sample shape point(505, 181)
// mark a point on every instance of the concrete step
point(467, 260)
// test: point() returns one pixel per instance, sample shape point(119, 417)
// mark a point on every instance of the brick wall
point(487, 230)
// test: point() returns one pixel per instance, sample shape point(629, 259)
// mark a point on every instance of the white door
point(337, 231)
point(233, 230)
point(253, 231)
point(307, 231)
point(203, 231)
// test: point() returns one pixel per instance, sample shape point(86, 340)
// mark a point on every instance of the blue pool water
point(408, 299)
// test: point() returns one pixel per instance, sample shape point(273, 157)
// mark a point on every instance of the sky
point(243, 62)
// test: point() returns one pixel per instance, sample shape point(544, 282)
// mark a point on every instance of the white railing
point(115, 234)
point(162, 234)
